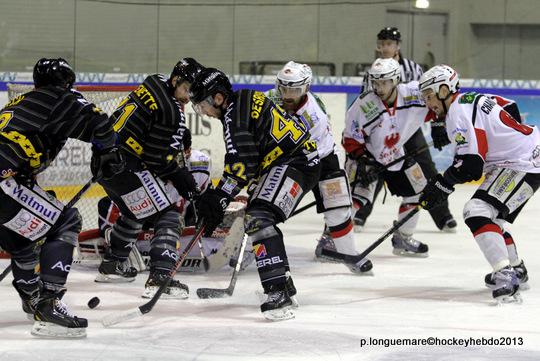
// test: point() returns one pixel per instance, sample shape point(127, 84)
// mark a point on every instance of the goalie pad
point(218, 249)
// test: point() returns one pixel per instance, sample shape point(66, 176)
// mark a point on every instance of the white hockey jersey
point(476, 124)
point(384, 131)
point(313, 112)
point(199, 165)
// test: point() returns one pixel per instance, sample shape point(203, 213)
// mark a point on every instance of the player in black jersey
point(150, 125)
point(272, 151)
point(35, 228)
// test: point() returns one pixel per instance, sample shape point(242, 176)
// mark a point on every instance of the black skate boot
point(113, 270)
point(278, 305)
point(53, 320)
point(506, 289)
point(175, 289)
point(326, 252)
point(406, 245)
point(29, 298)
point(521, 273)
point(291, 289)
point(450, 226)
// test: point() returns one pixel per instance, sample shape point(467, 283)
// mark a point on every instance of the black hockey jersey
point(35, 126)
point(150, 124)
point(259, 134)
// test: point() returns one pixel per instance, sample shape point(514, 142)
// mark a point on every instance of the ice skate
point(29, 299)
point(521, 273)
point(175, 289)
point(53, 319)
point(115, 271)
point(405, 245)
point(506, 289)
point(326, 252)
point(278, 305)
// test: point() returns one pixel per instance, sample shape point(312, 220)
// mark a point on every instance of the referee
point(388, 46)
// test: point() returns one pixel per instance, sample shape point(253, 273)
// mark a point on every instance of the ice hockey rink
point(441, 299)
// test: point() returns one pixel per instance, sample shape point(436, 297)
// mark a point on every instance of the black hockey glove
point(438, 134)
point(368, 171)
point(436, 192)
point(183, 181)
point(106, 163)
point(211, 207)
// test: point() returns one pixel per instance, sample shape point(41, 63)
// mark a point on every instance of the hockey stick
point(5, 272)
point(222, 292)
point(70, 204)
point(114, 318)
point(381, 239)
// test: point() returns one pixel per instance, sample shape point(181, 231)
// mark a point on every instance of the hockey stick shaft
point(5, 272)
point(220, 292)
point(113, 319)
point(301, 209)
point(81, 192)
point(394, 228)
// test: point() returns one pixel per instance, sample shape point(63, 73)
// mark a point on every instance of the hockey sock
point(55, 261)
point(164, 245)
point(272, 262)
point(409, 226)
point(490, 239)
point(511, 248)
point(123, 236)
point(343, 237)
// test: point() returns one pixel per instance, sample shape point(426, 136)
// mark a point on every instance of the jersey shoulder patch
point(467, 98)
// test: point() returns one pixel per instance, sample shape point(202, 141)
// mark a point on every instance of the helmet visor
point(201, 108)
point(291, 92)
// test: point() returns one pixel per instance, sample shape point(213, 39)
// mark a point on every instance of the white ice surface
point(440, 296)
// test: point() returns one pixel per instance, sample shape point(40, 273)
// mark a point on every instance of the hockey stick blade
point(114, 318)
point(205, 293)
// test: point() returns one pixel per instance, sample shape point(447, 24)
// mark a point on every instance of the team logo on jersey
point(467, 98)
point(369, 109)
point(260, 250)
point(460, 139)
point(391, 140)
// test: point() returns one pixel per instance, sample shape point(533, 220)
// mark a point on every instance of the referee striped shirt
point(409, 70)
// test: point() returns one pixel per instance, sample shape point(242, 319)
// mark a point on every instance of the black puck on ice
point(94, 302)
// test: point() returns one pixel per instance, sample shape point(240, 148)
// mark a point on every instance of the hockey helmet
point(187, 69)
point(385, 69)
point(294, 78)
point(439, 75)
point(55, 72)
point(209, 82)
point(389, 33)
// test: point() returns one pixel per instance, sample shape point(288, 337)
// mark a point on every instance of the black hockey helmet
point(187, 69)
point(186, 139)
point(53, 72)
point(389, 33)
point(210, 81)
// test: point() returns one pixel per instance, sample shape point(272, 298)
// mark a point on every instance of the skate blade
point(504, 300)
point(103, 278)
point(281, 314)
point(294, 301)
point(173, 294)
point(449, 230)
point(358, 229)
point(52, 330)
point(325, 259)
point(405, 253)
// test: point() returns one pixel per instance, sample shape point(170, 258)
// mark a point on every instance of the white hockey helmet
point(294, 78)
point(385, 69)
point(439, 75)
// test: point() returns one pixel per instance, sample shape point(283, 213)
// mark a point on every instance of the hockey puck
point(94, 302)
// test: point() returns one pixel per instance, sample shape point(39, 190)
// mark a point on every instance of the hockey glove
point(106, 163)
point(368, 171)
point(183, 181)
point(438, 134)
point(436, 192)
point(211, 207)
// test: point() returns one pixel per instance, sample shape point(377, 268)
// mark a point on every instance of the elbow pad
point(466, 168)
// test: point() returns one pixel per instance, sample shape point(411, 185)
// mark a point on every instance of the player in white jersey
point(488, 141)
point(377, 126)
point(332, 192)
